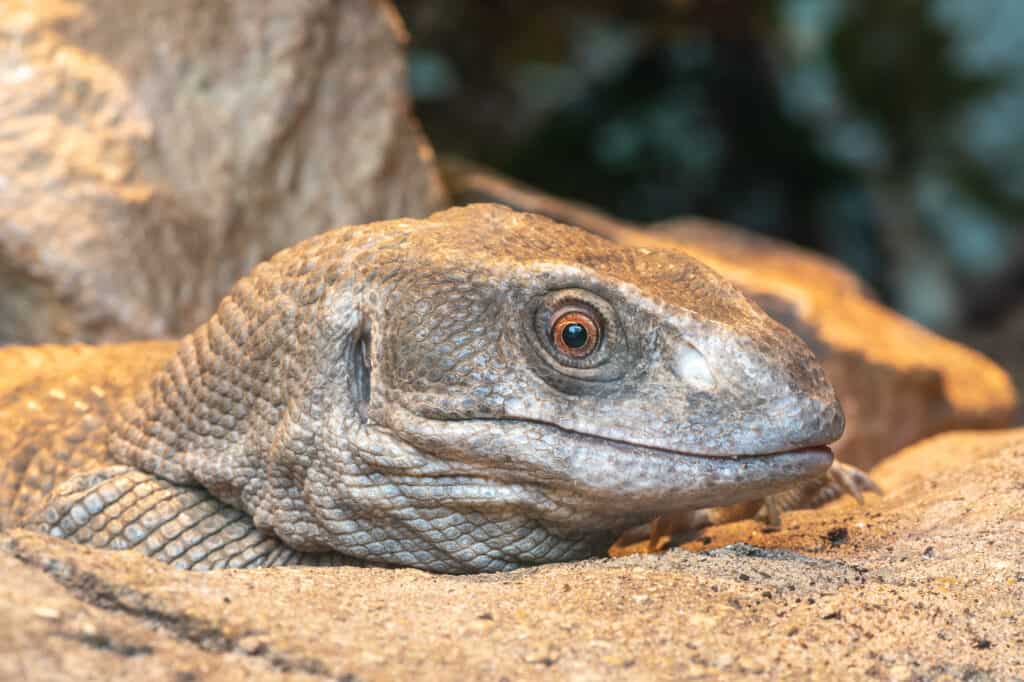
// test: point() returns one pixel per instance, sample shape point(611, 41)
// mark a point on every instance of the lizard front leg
point(119, 507)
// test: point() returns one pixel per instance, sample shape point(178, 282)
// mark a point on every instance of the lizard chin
point(523, 492)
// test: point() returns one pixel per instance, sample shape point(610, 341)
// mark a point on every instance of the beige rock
point(898, 382)
point(152, 154)
point(925, 583)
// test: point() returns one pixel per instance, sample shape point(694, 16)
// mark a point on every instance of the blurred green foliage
point(884, 132)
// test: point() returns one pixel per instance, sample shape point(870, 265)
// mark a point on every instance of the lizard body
point(478, 391)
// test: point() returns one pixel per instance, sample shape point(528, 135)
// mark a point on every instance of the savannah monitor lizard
point(477, 391)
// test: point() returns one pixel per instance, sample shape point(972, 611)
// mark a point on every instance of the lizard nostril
point(690, 366)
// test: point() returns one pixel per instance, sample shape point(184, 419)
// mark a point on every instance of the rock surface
point(924, 583)
point(149, 158)
point(898, 382)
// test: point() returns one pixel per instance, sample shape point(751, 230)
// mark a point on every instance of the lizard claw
point(852, 481)
point(770, 512)
point(841, 479)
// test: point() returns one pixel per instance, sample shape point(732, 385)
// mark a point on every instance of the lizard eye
point(575, 332)
point(577, 338)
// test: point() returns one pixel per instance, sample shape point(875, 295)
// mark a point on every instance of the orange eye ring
point(575, 333)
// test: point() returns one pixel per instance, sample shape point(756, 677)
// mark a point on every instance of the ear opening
point(361, 374)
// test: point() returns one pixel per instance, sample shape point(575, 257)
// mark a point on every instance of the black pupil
point(574, 335)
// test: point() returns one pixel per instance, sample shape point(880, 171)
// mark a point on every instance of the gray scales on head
point(478, 391)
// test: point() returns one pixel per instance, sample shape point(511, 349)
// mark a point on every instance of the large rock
point(925, 583)
point(898, 382)
point(151, 155)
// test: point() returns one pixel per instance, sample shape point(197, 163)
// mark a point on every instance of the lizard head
point(560, 382)
point(489, 389)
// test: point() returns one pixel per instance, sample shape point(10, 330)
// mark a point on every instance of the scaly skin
point(394, 393)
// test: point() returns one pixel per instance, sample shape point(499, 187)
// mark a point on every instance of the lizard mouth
point(815, 451)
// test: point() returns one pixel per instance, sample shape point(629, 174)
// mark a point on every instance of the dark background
point(888, 133)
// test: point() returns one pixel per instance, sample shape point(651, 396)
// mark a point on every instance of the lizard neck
point(245, 403)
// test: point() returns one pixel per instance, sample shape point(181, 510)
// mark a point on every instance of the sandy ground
point(926, 582)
